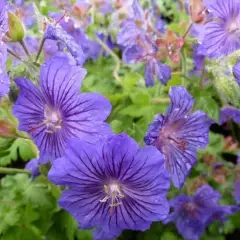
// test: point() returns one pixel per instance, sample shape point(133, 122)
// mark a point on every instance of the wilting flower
point(33, 167)
point(4, 79)
point(223, 31)
point(113, 185)
point(55, 112)
point(193, 214)
point(56, 32)
point(228, 113)
point(179, 134)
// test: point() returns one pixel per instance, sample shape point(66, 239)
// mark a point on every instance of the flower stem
point(4, 170)
point(15, 55)
point(160, 100)
point(115, 57)
point(184, 66)
point(25, 48)
point(188, 30)
point(40, 49)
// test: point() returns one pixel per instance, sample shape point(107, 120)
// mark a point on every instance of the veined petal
point(236, 72)
point(163, 72)
point(181, 103)
point(195, 129)
point(29, 107)
point(179, 163)
point(149, 74)
point(60, 81)
point(222, 8)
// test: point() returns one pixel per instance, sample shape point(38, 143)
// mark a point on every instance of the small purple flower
point(32, 44)
point(112, 185)
point(56, 32)
point(236, 72)
point(198, 61)
point(55, 112)
point(134, 27)
point(3, 19)
point(179, 134)
point(222, 33)
point(154, 67)
point(33, 167)
point(228, 113)
point(25, 12)
point(4, 79)
point(237, 190)
point(193, 214)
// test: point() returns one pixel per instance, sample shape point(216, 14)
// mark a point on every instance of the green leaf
point(131, 79)
point(23, 148)
point(208, 105)
point(140, 97)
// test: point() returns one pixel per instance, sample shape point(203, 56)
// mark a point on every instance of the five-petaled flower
point(193, 214)
point(56, 112)
point(178, 134)
point(222, 33)
point(113, 185)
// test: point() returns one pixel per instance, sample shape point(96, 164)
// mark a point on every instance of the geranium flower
point(179, 134)
point(56, 112)
point(112, 185)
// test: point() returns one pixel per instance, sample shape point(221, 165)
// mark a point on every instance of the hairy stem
point(160, 100)
point(5, 170)
point(40, 49)
point(115, 57)
point(25, 48)
point(15, 55)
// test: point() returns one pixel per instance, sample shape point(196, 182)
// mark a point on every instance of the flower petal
point(60, 81)
point(181, 103)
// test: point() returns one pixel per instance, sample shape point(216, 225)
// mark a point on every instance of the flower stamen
point(113, 192)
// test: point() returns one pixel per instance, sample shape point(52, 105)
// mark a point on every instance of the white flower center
point(52, 120)
point(113, 192)
point(234, 27)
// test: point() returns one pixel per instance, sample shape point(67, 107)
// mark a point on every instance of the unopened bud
point(7, 129)
point(197, 11)
point(16, 28)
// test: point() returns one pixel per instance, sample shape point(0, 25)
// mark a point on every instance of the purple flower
point(179, 134)
point(154, 67)
point(134, 27)
point(112, 185)
point(198, 61)
point(193, 214)
point(236, 72)
point(3, 19)
point(32, 44)
point(56, 32)
point(222, 32)
point(55, 112)
point(129, 32)
point(33, 167)
point(237, 190)
point(25, 12)
point(4, 79)
point(228, 113)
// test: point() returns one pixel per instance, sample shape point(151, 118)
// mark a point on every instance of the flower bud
point(16, 28)
point(7, 129)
